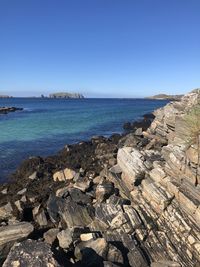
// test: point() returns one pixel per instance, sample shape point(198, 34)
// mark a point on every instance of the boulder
point(30, 253)
point(40, 216)
point(82, 183)
point(6, 211)
point(12, 233)
point(64, 175)
point(92, 252)
point(65, 238)
point(104, 191)
point(50, 235)
point(131, 162)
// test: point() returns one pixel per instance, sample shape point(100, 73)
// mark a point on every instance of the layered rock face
point(166, 191)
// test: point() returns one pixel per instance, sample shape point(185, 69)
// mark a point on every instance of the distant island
point(5, 96)
point(165, 97)
point(66, 95)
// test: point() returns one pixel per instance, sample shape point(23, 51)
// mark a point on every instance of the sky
point(101, 48)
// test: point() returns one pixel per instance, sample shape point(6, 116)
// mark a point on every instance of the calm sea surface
point(46, 125)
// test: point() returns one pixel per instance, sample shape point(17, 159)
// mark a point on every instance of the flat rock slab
point(30, 253)
point(15, 232)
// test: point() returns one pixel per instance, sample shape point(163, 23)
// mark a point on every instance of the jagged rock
point(15, 232)
point(64, 175)
point(104, 190)
point(79, 197)
point(62, 192)
point(30, 253)
point(33, 176)
point(4, 191)
point(116, 169)
point(131, 161)
point(116, 200)
point(105, 213)
point(6, 211)
point(156, 195)
point(82, 183)
point(39, 216)
point(75, 215)
point(114, 255)
point(133, 216)
point(98, 179)
point(135, 255)
point(50, 235)
point(138, 132)
point(87, 236)
point(65, 238)
point(92, 252)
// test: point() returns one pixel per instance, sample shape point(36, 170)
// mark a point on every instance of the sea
point(46, 125)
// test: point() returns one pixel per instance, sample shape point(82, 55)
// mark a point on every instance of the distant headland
point(165, 97)
point(5, 96)
point(66, 95)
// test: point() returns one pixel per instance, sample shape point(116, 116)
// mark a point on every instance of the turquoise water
point(46, 125)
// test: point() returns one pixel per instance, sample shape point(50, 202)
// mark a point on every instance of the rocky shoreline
point(128, 200)
point(6, 110)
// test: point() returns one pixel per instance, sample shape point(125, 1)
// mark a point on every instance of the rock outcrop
point(166, 97)
point(129, 200)
point(66, 95)
point(168, 197)
point(5, 110)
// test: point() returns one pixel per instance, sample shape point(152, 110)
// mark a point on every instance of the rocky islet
point(128, 200)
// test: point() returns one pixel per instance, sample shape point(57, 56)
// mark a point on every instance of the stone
point(79, 197)
point(75, 215)
point(30, 253)
point(118, 220)
point(104, 191)
point(39, 216)
point(116, 169)
point(87, 236)
point(33, 176)
point(12, 233)
point(138, 132)
point(6, 211)
point(105, 213)
point(51, 235)
point(82, 183)
point(114, 255)
point(64, 175)
point(65, 238)
point(131, 162)
point(62, 192)
point(22, 192)
point(91, 252)
point(133, 216)
point(4, 191)
point(98, 179)
point(117, 200)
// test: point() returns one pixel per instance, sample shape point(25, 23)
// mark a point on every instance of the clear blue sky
point(122, 48)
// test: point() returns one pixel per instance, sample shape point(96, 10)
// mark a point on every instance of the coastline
point(100, 193)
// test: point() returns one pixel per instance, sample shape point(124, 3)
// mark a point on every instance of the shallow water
point(46, 125)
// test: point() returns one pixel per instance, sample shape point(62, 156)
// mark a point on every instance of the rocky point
point(128, 200)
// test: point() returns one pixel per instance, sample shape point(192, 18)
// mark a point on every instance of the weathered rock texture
point(167, 199)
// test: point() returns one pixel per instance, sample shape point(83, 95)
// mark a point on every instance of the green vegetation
point(192, 119)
